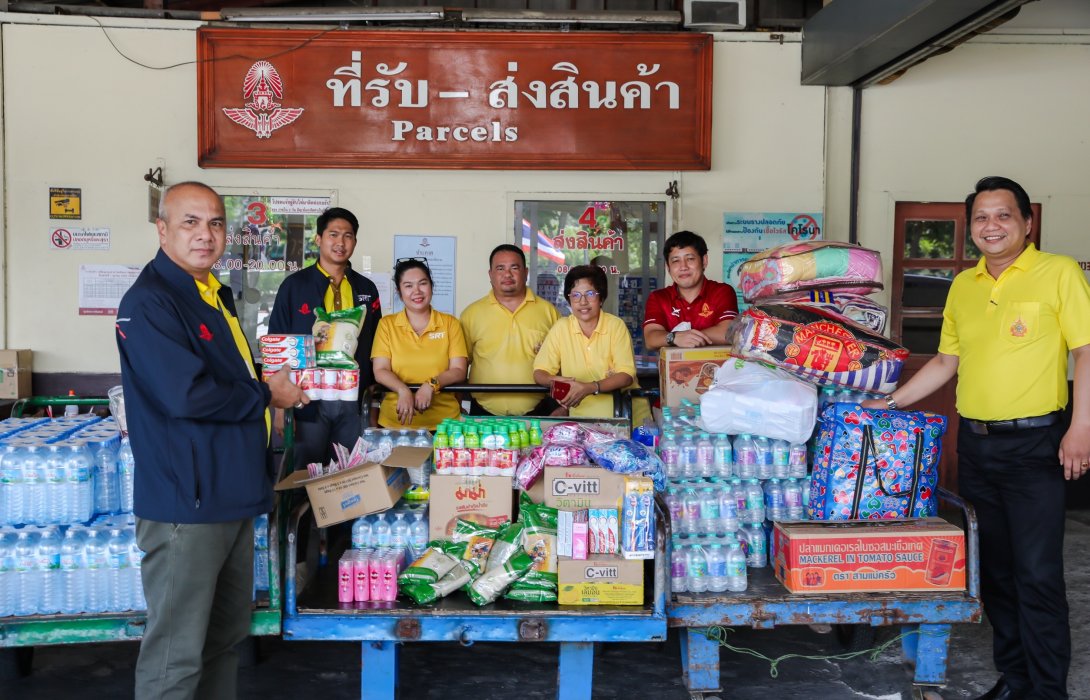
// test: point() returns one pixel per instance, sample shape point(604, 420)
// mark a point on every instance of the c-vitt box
point(926, 554)
point(600, 580)
point(582, 487)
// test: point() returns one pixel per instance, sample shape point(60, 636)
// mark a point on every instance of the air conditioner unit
point(716, 15)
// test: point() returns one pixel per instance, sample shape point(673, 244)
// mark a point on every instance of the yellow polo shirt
point(1012, 335)
point(502, 345)
point(210, 294)
point(345, 289)
point(569, 353)
point(417, 358)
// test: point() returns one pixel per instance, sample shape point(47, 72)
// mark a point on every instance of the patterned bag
point(875, 464)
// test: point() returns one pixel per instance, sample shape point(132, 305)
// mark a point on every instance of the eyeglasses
point(589, 296)
point(424, 261)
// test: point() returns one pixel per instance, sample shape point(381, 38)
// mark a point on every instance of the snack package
point(423, 593)
point(548, 455)
point(336, 336)
point(508, 543)
point(539, 542)
point(429, 567)
point(629, 457)
point(571, 433)
point(489, 585)
point(478, 540)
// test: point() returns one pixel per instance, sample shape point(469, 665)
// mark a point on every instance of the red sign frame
point(290, 98)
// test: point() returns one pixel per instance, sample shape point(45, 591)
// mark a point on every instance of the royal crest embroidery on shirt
point(1018, 329)
point(706, 311)
point(305, 309)
point(204, 333)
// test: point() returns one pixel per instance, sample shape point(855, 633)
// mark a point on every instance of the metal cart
point(41, 630)
point(767, 604)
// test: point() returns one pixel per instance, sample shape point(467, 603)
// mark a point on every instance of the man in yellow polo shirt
point(504, 330)
point(1008, 327)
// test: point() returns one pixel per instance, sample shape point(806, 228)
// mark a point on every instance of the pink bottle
point(345, 578)
point(374, 573)
point(361, 571)
point(389, 577)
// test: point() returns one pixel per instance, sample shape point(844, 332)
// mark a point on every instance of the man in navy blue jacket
point(198, 424)
point(330, 283)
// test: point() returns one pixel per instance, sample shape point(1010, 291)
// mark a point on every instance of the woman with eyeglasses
point(421, 346)
point(590, 349)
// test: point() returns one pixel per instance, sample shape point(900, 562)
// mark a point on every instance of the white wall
point(993, 106)
point(79, 115)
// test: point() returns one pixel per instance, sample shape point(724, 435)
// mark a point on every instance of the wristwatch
point(434, 382)
point(890, 403)
point(670, 338)
point(597, 388)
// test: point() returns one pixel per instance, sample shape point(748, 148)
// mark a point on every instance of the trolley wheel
point(924, 692)
point(16, 662)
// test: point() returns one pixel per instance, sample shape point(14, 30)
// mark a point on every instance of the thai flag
point(544, 245)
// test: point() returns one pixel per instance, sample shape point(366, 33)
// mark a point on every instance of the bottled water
point(745, 456)
point(709, 510)
point(717, 568)
point(126, 466)
point(797, 460)
point(418, 534)
point(106, 493)
point(705, 456)
point(78, 468)
point(679, 578)
point(758, 545)
point(755, 501)
point(668, 452)
point(57, 494)
point(49, 571)
point(728, 509)
point(136, 559)
point(687, 456)
point(385, 440)
point(673, 505)
point(696, 568)
point(26, 573)
point(736, 568)
point(404, 439)
point(95, 579)
point(399, 532)
point(690, 509)
point(827, 397)
point(792, 499)
point(11, 487)
point(724, 457)
point(774, 500)
point(7, 573)
point(361, 533)
point(739, 491)
point(781, 459)
point(763, 447)
point(72, 573)
point(380, 532)
point(119, 584)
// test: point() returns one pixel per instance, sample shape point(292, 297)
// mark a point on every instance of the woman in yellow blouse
point(590, 348)
point(418, 345)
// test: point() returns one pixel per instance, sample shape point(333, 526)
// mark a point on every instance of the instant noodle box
point(353, 493)
point(686, 373)
point(581, 487)
point(926, 554)
point(600, 580)
point(486, 500)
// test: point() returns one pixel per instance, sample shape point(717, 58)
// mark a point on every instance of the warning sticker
point(70, 238)
point(64, 202)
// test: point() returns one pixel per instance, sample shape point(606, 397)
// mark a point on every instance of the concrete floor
point(440, 671)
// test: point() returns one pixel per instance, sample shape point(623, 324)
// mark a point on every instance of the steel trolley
point(767, 604)
point(18, 635)
point(311, 612)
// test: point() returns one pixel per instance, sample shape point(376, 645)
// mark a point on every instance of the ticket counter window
point(624, 238)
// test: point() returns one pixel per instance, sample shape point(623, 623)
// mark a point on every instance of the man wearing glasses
point(694, 311)
point(504, 330)
point(330, 283)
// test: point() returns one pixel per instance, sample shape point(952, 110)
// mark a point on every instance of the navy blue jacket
point(293, 312)
point(196, 417)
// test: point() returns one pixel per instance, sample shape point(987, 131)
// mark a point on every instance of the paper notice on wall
point(439, 252)
point(102, 286)
point(298, 205)
point(69, 238)
point(385, 283)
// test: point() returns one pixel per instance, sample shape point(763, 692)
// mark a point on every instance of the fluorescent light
point(570, 17)
point(332, 14)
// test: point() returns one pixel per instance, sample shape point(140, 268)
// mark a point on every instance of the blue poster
point(757, 231)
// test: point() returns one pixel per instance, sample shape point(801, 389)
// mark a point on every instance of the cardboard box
point(600, 580)
point(353, 493)
point(686, 373)
point(576, 488)
point(15, 371)
point(483, 499)
point(926, 554)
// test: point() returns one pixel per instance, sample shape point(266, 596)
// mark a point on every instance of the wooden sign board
point(288, 98)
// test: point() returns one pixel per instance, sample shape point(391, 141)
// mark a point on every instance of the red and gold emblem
point(1018, 329)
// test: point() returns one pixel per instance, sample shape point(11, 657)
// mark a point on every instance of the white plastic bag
point(748, 397)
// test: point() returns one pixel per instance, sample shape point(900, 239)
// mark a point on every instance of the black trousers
point(337, 422)
point(1016, 483)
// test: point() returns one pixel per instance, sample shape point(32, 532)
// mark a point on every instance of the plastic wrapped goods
point(818, 346)
point(487, 587)
point(750, 398)
point(629, 457)
point(854, 308)
point(811, 265)
point(336, 335)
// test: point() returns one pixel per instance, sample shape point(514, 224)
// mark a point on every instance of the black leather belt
point(996, 427)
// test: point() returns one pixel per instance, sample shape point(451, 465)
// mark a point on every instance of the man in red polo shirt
point(694, 311)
